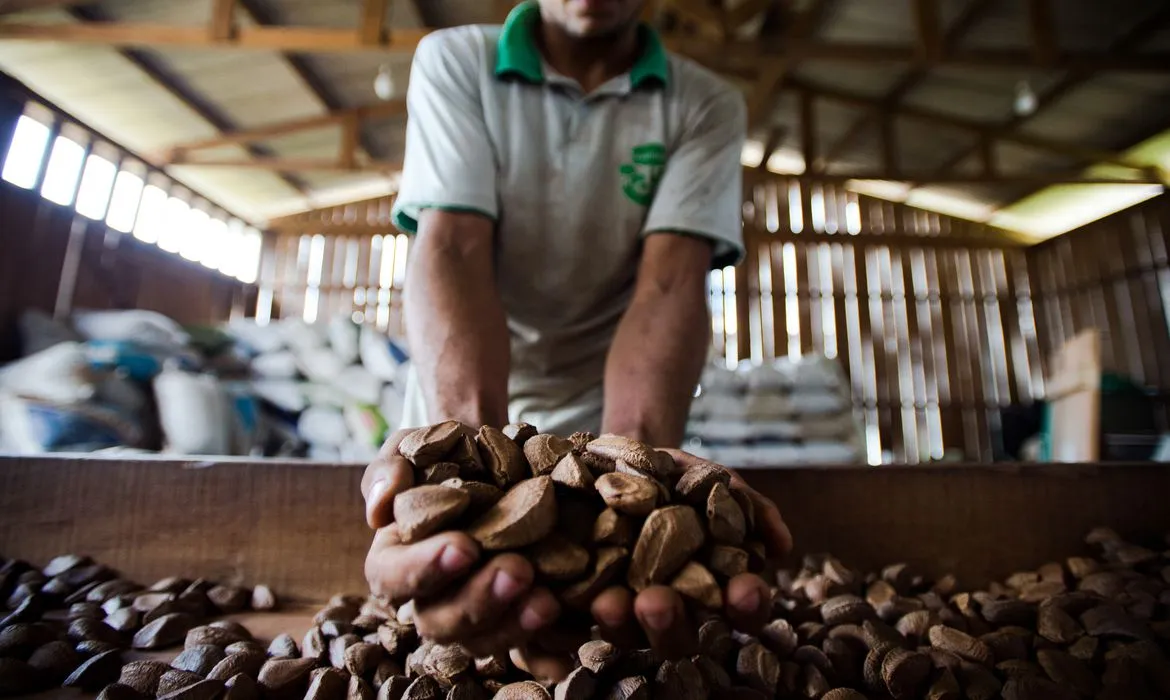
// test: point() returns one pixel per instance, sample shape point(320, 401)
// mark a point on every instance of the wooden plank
point(279, 164)
point(808, 131)
point(371, 27)
point(223, 20)
point(1043, 32)
point(391, 108)
point(889, 142)
point(929, 37)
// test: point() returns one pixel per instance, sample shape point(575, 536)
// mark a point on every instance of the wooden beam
point(808, 130)
point(891, 160)
point(1043, 31)
point(1027, 178)
point(987, 156)
point(754, 236)
point(374, 111)
point(294, 164)
point(929, 39)
point(972, 14)
point(993, 131)
point(12, 6)
point(743, 56)
point(775, 138)
point(349, 140)
point(800, 28)
point(373, 22)
point(223, 20)
point(746, 12)
point(141, 34)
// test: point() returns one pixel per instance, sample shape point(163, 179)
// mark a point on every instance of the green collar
point(518, 54)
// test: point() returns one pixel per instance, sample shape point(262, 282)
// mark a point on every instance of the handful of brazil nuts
point(588, 511)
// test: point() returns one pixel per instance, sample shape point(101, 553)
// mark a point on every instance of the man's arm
point(661, 342)
point(455, 320)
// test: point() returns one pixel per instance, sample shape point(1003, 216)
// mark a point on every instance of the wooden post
point(373, 18)
point(929, 39)
point(223, 25)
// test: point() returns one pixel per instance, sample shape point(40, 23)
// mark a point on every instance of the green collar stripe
point(518, 55)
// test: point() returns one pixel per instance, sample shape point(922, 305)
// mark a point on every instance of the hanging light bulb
point(384, 85)
point(1025, 102)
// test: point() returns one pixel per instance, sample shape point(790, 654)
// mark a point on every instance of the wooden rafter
point(223, 24)
point(1043, 31)
point(372, 27)
point(992, 131)
point(1022, 178)
point(771, 143)
point(354, 115)
point(972, 14)
point(800, 28)
point(11, 6)
point(749, 58)
point(141, 34)
point(742, 56)
point(278, 164)
point(929, 38)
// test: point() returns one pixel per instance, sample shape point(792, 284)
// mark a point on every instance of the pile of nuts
point(587, 511)
point(591, 512)
point(70, 623)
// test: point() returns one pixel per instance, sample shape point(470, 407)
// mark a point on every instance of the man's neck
point(591, 62)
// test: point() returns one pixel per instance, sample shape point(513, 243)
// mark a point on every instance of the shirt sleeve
point(449, 162)
point(701, 190)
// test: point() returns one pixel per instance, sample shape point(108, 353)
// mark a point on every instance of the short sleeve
point(449, 162)
point(701, 190)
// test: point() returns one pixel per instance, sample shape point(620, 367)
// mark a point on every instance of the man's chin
point(595, 27)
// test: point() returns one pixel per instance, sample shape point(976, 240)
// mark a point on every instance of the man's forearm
point(654, 365)
point(456, 325)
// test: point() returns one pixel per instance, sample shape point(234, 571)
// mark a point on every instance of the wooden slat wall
point(940, 323)
point(345, 260)
point(114, 271)
point(929, 315)
point(1113, 275)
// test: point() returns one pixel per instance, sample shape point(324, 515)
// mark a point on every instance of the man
point(571, 185)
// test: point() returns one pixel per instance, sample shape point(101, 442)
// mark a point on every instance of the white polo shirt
point(573, 182)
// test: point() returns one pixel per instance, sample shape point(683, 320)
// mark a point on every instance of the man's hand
point(498, 608)
point(494, 609)
point(660, 611)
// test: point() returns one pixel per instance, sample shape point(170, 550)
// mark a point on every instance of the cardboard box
point(299, 526)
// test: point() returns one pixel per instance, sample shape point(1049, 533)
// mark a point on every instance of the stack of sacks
point(336, 386)
point(136, 380)
point(786, 412)
point(117, 380)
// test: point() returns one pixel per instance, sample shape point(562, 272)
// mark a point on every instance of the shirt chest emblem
point(640, 176)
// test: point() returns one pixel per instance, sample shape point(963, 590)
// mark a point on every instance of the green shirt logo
point(640, 177)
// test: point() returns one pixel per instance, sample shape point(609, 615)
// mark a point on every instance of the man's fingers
point(613, 610)
point(749, 603)
point(665, 621)
point(777, 536)
point(542, 665)
point(532, 615)
point(388, 475)
point(486, 598)
point(402, 572)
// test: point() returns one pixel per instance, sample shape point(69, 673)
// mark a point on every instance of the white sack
point(194, 413)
